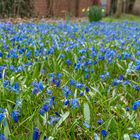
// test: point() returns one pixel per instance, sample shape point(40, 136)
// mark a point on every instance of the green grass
point(103, 51)
point(124, 17)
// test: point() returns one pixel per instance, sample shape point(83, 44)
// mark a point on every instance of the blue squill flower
point(36, 134)
point(68, 62)
point(41, 112)
point(15, 88)
point(1, 117)
point(0, 75)
point(49, 92)
point(66, 91)
point(6, 84)
point(15, 116)
point(35, 91)
point(87, 89)
point(57, 114)
point(137, 68)
point(45, 108)
point(54, 119)
point(136, 105)
point(104, 133)
point(78, 66)
point(59, 75)
point(67, 102)
point(75, 103)
point(1, 55)
point(100, 122)
point(72, 82)
point(82, 94)
point(79, 85)
point(101, 58)
point(127, 108)
point(137, 88)
point(126, 82)
point(85, 124)
point(136, 136)
point(2, 137)
point(86, 76)
point(116, 82)
point(40, 86)
point(58, 83)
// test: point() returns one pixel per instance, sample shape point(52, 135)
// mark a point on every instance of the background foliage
point(15, 8)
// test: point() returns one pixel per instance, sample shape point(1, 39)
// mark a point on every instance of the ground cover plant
point(74, 81)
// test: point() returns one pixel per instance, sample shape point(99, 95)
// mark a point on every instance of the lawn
point(123, 18)
point(74, 81)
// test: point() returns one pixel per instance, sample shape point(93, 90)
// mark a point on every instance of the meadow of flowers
point(74, 81)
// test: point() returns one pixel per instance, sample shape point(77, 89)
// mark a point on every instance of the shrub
point(95, 14)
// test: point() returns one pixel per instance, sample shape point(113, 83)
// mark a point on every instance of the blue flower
point(40, 85)
point(1, 54)
point(100, 122)
point(126, 83)
point(87, 89)
point(36, 134)
point(59, 75)
point(101, 57)
point(1, 117)
point(116, 82)
point(137, 88)
point(72, 82)
point(127, 108)
point(136, 105)
point(58, 83)
point(66, 91)
point(15, 88)
point(49, 92)
point(45, 108)
point(6, 84)
point(136, 136)
point(68, 62)
point(104, 133)
point(0, 75)
point(2, 137)
point(82, 94)
point(66, 102)
point(75, 103)
point(57, 113)
point(121, 77)
point(137, 68)
point(35, 91)
point(86, 125)
point(54, 119)
point(79, 85)
point(15, 116)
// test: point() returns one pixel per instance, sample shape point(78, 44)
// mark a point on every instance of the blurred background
point(63, 8)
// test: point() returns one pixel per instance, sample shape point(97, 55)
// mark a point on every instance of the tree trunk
point(124, 6)
point(77, 8)
point(96, 2)
point(50, 7)
point(119, 8)
point(136, 8)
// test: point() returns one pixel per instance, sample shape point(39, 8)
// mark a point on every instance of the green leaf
point(6, 130)
point(63, 118)
point(126, 137)
point(96, 137)
point(86, 113)
point(50, 138)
